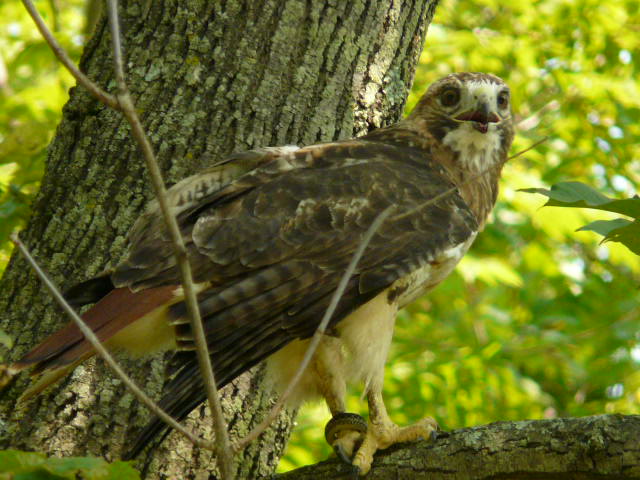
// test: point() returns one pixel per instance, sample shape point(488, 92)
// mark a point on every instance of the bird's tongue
point(481, 127)
point(479, 120)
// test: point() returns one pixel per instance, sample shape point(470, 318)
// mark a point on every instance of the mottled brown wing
point(150, 260)
point(276, 241)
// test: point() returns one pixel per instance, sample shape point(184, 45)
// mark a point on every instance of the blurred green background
point(538, 321)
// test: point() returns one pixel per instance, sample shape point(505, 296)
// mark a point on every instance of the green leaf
point(16, 461)
point(5, 340)
point(605, 227)
point(579, 195)
point(33, 465)
point(618, 230)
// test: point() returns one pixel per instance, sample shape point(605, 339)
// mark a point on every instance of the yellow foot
point(384, 434)
point(345, 432)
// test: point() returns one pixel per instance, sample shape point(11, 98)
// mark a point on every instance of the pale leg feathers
point(356, 352)
point(366, 336)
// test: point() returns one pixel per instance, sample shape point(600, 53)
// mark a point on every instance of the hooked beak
point(481, 117)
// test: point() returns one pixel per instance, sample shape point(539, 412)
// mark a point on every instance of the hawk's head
point(468, 112)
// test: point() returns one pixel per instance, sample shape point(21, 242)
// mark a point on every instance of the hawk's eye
point(450, 97)
point(503, 99)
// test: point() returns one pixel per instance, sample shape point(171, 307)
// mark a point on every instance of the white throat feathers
point(477, 149)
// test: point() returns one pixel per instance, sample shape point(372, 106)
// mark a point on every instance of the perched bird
point(270, 232)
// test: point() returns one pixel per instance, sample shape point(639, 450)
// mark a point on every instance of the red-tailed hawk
point(270, 232)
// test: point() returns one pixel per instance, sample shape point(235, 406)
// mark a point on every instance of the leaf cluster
point(33, 88)
point(579, 195)
point(16, 465)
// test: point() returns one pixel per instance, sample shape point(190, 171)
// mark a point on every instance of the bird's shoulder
point(244, 171)
point(264, 206)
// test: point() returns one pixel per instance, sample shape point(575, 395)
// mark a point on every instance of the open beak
point(481, 117)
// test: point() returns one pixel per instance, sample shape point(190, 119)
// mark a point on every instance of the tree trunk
point(208, 78)
point(601, 447)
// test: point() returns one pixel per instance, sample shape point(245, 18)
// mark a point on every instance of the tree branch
point(600, 447)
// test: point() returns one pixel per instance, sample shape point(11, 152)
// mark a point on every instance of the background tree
point(539, 321)
point(208, 79)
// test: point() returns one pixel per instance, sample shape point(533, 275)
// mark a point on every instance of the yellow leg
point(327, 364)
point(382, 432)
point(345, 431)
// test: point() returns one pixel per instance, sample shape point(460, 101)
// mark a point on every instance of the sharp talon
point(345, 433)
point(342, 455)
point(341, 422)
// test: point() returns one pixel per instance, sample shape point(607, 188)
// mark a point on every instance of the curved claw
point(345, 432)
point(342, 454)
point(434, 435)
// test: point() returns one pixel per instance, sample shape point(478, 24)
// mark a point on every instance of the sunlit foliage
point(538, 321)
point(33, 89)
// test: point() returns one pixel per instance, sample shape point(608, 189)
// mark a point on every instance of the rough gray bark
point(208, 78)
point(600, 447)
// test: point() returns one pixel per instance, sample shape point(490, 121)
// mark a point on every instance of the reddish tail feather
point(118, 309)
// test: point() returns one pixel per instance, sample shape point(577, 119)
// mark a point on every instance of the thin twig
point(317, 336)
point(225, 454)
point(59, 52)
point(112, 102)
point(530, 147)
point(103, 352)
point(116, 45)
